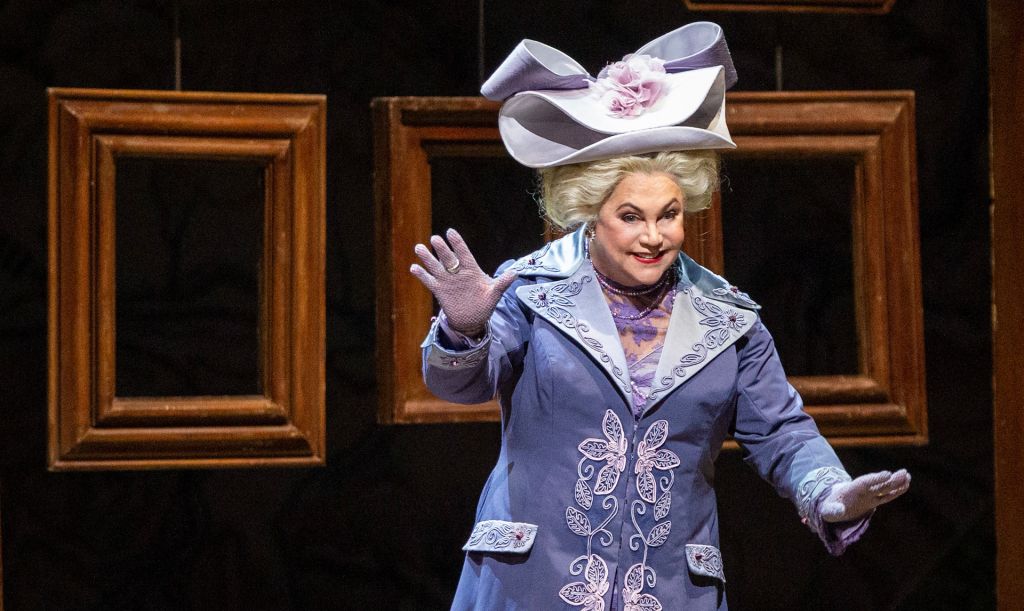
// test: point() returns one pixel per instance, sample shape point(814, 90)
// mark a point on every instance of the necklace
point(609, 285)
point(659, 286)
point(644, 313)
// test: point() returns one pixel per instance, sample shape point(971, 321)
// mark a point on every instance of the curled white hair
point(572, 195)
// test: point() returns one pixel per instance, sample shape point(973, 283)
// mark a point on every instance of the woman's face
point(639, 230)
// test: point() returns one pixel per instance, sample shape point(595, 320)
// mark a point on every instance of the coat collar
point(561, 258)
point(576, 306)
point(708, 316)
point(557, 259)
point(702, 327)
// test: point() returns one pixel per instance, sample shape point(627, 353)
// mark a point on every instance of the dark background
point(380, 527)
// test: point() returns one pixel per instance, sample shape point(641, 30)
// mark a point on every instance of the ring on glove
point(454, 269)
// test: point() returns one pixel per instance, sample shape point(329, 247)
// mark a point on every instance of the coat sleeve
point(782, 443)
point(461, 373)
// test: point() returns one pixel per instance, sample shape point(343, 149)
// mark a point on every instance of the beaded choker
point(659, 288)
point(615, 288)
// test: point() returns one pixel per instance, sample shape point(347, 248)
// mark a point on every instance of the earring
point(588, 233)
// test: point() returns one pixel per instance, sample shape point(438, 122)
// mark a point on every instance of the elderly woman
point(620, 364)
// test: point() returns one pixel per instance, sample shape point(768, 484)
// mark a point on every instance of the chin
point(646, 274)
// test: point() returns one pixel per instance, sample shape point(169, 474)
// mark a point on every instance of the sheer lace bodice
point(641, 315)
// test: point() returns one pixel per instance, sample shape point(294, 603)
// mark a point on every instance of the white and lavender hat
point(667, 96)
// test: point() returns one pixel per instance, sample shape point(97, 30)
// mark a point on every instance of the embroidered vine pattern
point(588, 595)
point(655, 496)
point(553, 301)
point(611, 450)
point(720, 323)
point(650, 457)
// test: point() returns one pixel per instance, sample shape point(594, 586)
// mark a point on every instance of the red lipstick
point(649, 261)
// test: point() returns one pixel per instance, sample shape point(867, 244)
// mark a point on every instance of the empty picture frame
point(413, 135)
point(102, 141)
point(883, 402)
point(870, 7)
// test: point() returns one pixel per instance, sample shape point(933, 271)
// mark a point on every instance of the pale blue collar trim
point(556, 259)
point(576, 306)
point(708, 315)
point(702, 327)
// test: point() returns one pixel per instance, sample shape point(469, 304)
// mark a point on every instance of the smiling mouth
point(649, 260)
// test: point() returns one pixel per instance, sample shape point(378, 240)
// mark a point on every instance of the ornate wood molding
point(89, 426)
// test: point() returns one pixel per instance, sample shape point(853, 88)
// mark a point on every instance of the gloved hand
point(467, 295)
point(849, 500)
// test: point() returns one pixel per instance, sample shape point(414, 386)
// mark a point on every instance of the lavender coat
point(589, 508)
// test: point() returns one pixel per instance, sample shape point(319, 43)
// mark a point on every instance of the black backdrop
point(381, 525)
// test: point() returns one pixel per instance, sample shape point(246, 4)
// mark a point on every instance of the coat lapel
point(576, 306)
point(708, 316)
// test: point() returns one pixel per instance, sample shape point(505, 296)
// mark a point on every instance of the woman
point(620, 364)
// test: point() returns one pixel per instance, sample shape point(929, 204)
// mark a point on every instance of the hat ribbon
point(534, 66)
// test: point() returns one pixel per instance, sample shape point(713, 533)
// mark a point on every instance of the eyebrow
point(635, 207)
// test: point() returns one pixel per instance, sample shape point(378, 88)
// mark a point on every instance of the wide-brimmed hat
point(669, 95)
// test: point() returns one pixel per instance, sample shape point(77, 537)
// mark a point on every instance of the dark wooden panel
point(1006, 80)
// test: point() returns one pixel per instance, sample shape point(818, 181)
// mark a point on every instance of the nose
point(651, 236)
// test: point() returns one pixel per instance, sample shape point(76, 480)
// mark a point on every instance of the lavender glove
point(851, 500)
point(467, 295)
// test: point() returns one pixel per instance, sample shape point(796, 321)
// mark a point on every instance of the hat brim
point(685, 93)
point(538, 152)
point(540, 134)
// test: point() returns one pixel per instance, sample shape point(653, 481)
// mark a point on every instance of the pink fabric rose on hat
point(631, 86)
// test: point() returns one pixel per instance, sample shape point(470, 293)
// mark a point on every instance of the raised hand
point(849, 500)
point(467, 295)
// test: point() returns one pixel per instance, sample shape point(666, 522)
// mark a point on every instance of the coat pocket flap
point(501, 536)
point(705, 560)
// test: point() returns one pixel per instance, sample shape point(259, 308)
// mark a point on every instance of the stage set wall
point(381, 525)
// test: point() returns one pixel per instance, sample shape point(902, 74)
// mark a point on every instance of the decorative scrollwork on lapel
point(552, 301)
point(721, 323)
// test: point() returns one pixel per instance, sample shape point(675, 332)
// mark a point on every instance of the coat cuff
point(449, 349)
point(457, 340)
point(814, 488)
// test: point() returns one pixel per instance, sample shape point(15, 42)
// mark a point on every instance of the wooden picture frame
point(89, 426)
point(405, 128)
point(883, 404)
point(868, 7)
